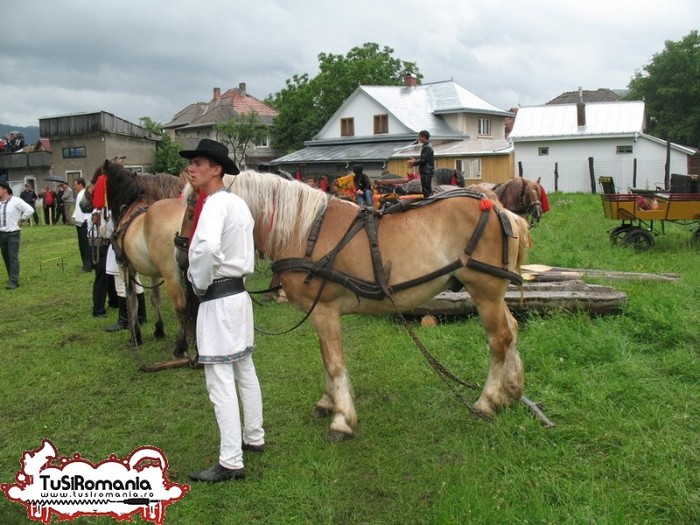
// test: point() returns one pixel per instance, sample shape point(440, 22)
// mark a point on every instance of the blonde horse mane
point(286, 226)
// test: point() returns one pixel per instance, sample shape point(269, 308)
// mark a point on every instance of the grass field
point(623, 390)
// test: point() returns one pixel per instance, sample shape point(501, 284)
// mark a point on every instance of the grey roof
point(599, 95)
point(378, 151)
point(422, 106)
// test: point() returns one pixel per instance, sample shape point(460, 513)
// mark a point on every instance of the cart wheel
point(640, 240)
point(616, 232)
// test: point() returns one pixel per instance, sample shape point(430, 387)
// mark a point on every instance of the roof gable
point(560, 120)
point(422, 106)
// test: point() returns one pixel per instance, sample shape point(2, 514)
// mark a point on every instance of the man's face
point(422, 139)
point(202, 171)
point(3, 193)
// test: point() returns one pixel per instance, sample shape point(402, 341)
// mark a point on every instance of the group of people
point(57, 205)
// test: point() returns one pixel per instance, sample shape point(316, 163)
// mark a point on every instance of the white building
point(556, 142)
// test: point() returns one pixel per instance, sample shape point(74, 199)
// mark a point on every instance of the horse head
point(530, 199)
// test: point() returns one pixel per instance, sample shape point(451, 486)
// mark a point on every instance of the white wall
point(572, 159)
point(362, 109)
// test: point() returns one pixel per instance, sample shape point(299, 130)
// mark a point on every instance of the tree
point(168, 159)
point(239, 132)
point(670, 86)
point(305, 104)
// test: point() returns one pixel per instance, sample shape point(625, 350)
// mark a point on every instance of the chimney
point(410, 80)
point(217, 94)
point(580, 110)
point(241, 89)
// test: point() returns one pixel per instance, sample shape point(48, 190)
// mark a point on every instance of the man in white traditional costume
point(221, 254)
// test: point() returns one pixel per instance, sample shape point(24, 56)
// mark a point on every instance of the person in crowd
point(60, 206)
point(82, 221)
point(29, 196)
point(363, 187)
point(13, 212)
point(49, 202)
point(109, 279)
point(426, 163)
point(221, 254)
point(68, 198)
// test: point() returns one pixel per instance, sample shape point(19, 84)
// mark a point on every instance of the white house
point(378, 126)
point(556, 142)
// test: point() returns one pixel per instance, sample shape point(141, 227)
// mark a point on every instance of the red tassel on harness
point(486, 204)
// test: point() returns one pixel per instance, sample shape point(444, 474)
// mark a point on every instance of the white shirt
point(79, 216)
point(12, 211)
point(222, 246)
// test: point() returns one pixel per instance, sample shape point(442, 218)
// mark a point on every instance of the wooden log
point(570, 296)
point(576, 273)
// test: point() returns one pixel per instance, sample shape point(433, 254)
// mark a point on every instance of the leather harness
point(368, 219)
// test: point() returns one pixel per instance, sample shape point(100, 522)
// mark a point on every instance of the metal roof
point(378, 151)
point(560, 120)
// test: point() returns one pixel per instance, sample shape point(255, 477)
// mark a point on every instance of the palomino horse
point(519, 195)
point(146, 215)
point(321, 249)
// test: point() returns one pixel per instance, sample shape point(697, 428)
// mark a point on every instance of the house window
point(543, 150)
point(485, 126)
point(74, 153)
point(347, 127)
point(625, 149)
point(470, 168)
point(263, 142)
point(72, 175)
point(134, 169)
point(381, 124)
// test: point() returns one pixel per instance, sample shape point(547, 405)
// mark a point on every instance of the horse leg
point(132, 310)
point(158, 332)
point(337, 397)
point(504, 384)
point(177, 295)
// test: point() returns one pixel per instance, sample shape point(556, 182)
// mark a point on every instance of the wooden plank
point(570, 296)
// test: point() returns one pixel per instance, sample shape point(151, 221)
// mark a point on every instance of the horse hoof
point(320, 411)
point(336, 436)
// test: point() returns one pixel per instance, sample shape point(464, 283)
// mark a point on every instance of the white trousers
point(222, 382)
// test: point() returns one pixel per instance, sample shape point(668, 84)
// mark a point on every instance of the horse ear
point(104, 166)
point(538, 180)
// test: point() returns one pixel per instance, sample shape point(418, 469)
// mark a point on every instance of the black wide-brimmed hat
point(215, 151)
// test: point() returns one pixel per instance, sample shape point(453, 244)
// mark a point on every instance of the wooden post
point(634, 173)
point(592, 173)
point(556, 176)
point(667, 168)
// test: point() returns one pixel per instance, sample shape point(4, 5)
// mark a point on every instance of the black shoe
point(253, 448)
point(11, 286)
point(117, 326)
point(217, 473)
point(99, 314)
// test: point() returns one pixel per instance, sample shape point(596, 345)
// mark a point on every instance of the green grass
point(624, 391)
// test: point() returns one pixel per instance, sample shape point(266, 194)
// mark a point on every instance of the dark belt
point(223, 288)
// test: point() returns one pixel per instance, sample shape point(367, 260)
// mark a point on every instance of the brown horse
point(328, 270)
point(519, 195)
point(147, 214)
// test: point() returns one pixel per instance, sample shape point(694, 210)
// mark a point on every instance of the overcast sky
point(137, 58)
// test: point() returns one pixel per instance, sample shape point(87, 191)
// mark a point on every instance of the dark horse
point(147, 213)
point(519, 195)
point(334, 258)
